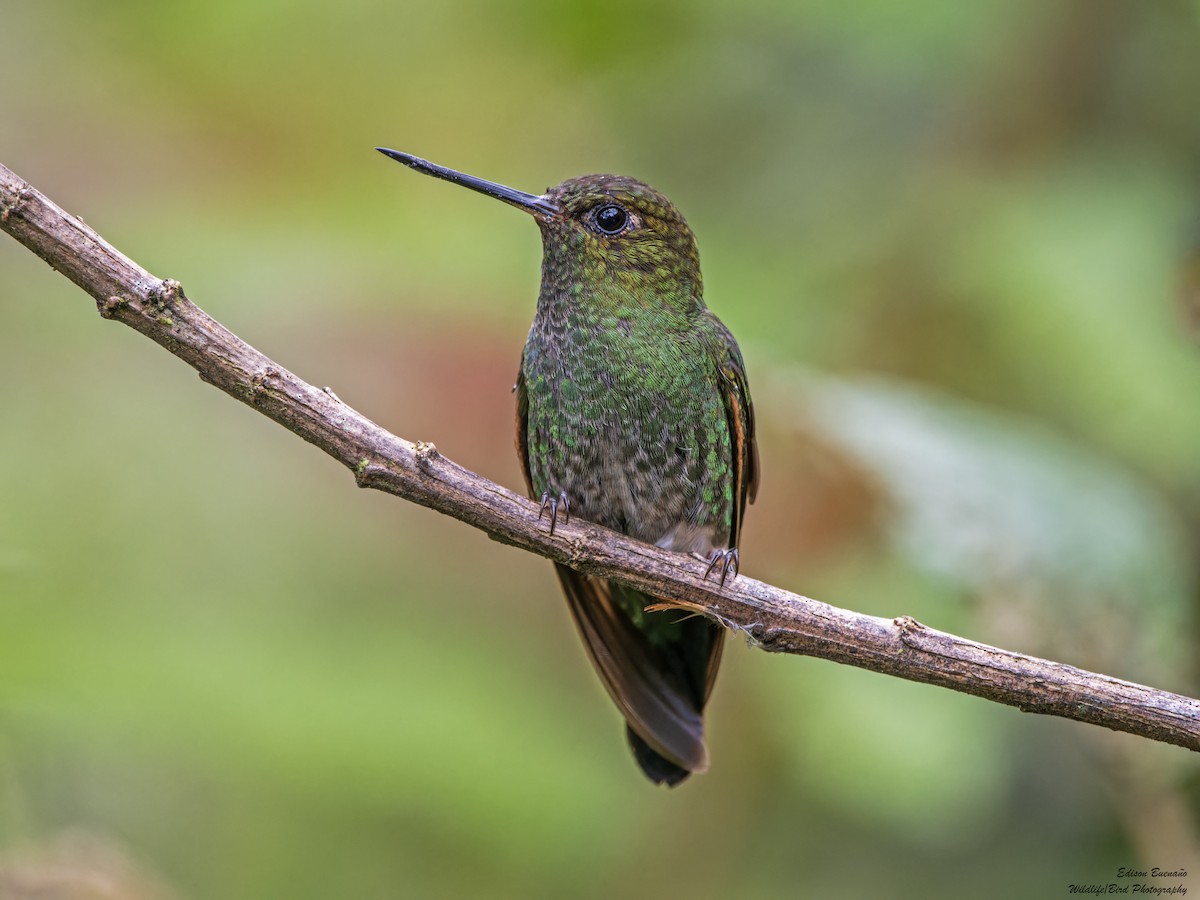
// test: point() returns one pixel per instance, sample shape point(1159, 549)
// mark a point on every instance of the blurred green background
point(958, 245)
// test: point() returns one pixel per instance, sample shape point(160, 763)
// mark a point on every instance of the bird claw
point(552, 503)
point(726, 560)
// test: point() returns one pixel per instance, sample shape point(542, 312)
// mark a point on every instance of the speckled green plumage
point(633, 413)
point(622, 374)
point(634, 408)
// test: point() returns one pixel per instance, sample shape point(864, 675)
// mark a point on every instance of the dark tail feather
point(657, 768)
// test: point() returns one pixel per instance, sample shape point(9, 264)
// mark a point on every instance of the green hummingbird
point(633, 412)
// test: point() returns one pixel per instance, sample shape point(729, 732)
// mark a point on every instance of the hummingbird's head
point(603, 230)
point(620, 229)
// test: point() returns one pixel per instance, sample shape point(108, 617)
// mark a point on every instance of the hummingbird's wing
point(739, 415)
point(659, 687)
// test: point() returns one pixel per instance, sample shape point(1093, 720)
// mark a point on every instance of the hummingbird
point(633, 412)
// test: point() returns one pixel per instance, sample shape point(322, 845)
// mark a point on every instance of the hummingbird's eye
point(611, 219)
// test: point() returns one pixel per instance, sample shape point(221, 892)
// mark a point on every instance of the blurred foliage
point(1069, 548)
point(247, 680)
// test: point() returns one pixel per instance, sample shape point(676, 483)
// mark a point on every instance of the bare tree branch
point(774, 619)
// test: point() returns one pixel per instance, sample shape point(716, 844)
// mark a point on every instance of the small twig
point(774, 619)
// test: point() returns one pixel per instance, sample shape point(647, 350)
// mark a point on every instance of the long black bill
point(541, 207)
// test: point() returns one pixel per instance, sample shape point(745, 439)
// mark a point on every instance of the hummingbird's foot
point(552, 503)
point(726, 561)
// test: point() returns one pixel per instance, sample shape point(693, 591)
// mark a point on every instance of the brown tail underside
point(660, 685)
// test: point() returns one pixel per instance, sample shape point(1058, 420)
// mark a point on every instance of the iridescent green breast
point(627, 420)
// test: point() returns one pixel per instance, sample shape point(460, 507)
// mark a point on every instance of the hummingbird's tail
point(657, 768)
point(659, 672)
